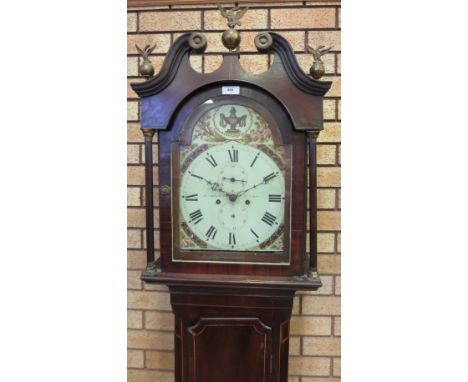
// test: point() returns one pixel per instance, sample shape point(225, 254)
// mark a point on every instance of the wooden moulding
point(307, 282)
point(178, 79)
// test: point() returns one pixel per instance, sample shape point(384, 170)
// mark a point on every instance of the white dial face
point(232, 197)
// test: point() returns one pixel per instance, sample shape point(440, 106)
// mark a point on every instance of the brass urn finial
point(231, 37)
point(317, 69)
point(146, 68)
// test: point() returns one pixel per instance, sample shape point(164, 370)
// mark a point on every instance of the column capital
point(312, 134)
point(148, 133)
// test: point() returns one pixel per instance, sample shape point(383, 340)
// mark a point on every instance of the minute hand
point(264, 181)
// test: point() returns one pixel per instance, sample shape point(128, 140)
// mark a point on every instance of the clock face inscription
point(232, 198)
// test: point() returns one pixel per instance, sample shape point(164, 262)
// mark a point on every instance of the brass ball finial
point(317, 69)
point(231, 37)
point(146, 68)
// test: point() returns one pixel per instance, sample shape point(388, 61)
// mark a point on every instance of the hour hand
point(199, 177)
point(217, 187)
point(214, 186)
point(234, 179)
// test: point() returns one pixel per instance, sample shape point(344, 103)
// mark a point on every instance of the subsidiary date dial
point(232, 197)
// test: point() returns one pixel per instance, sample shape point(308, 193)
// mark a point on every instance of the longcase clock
point(236, 157)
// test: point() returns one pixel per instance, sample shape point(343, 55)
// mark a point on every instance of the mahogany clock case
point(179, 133)
point(232, 319)
point(291, 102)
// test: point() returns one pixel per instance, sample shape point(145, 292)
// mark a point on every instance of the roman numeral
point(232, 238)
point(196, 216)
point(254, 233)
point(254, 160)
point(211, 160)
point(234, 155)
point(211, 233)
point(269, 177)
point(191, 198)
point(195, 176)
point(274, 198)
point(268, 218)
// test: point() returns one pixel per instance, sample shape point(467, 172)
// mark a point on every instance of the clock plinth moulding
point(232, 297)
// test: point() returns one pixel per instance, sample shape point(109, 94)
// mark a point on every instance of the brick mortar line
point(145, 367)
point(328, 165)
point(154, 310)
point(152, 369)
point(138, 21)
point(154, 330)
point(331, 367)
point(130, 348)
point(181, 31)
point(251, 7)
point(202, 15)
point(212, 5)
point(139, 165)
point(162, 351)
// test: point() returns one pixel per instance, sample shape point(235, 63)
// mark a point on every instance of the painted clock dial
point(232, 191)
point(232, 197)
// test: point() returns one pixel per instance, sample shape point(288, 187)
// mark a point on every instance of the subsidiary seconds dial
point(232, 197)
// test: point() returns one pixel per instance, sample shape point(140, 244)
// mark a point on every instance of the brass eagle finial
point(233, 15)
point(146, 68)
point(319, 52)
point(317, 69)
point(231, 37)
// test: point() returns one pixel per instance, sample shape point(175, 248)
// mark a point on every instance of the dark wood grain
point(149, 133)
point(285, 81)
point(312, 141)
point(246, 341)
point(229, 335)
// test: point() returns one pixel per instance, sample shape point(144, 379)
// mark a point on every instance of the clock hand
point(215, 187)
point(265, 180)
point(234, 180)
point(248, 189)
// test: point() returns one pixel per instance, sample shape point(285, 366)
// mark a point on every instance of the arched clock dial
point(232, 197)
